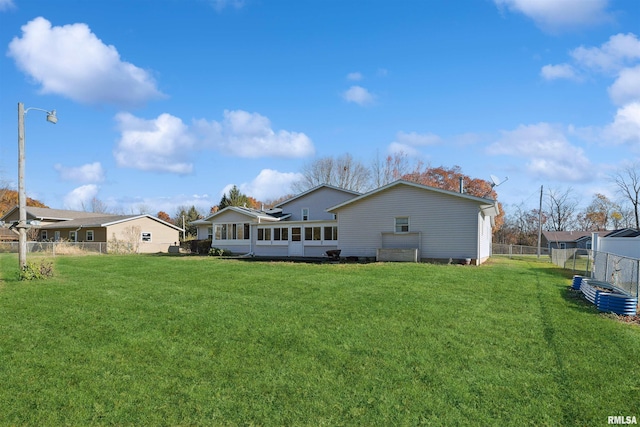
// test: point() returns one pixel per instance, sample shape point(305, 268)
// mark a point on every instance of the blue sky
point(167, 103)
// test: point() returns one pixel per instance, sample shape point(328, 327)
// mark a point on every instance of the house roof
point(488, 206)
point(103, 221)
point(55, 214)
point(316, 188)
point(250, 212)
point(571, 236)
point(624, 232)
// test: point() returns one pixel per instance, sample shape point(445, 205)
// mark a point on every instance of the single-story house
point(146, 233)
point(8, 235)
point(431, 223)
point(579, 239)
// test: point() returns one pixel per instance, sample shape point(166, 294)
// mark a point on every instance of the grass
point(152, 340)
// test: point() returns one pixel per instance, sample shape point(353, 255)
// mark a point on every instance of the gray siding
point(317, 202)
point(446, 225)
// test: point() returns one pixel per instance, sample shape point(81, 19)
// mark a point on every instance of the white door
point(296, 247)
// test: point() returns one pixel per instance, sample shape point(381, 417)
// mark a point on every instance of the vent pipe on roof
point(461, 185)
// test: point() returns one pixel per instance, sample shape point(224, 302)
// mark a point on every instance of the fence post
point(606, 268)
point(575, 255)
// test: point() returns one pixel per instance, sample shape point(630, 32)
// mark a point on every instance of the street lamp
point(22, 195)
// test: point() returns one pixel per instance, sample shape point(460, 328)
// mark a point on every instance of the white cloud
point(626, 88)
point(555, 15)
point(561, 71)
point(6, 5)
point(626, 126)
point(618, 57)
point(417, 139)
point(73, 62)
point(619, 51)
point(81, 197)
point(359, 95)
point(550, 153)
point(409, 143)
point(162, 144)
point(270, 184)
point(354, 76)
point(246, 134)
point(91, 172)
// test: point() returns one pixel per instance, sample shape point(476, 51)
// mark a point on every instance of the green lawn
point(158, 340)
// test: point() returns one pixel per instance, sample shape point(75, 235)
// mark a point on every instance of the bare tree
point(627, 180)
point(343, 172)
point(561, 207)
point(96, 205)
point(392, 168)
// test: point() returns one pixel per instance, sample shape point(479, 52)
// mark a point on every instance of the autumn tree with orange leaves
point(449, 179)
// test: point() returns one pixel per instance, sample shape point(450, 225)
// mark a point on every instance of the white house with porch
point(435, 224)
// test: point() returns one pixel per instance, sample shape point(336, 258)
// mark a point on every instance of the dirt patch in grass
point(634, 320)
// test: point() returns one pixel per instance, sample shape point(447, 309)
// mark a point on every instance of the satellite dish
point(495, 181)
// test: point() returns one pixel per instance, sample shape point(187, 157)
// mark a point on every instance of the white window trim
point(142, 237)
point(302, 214)
point(93, 236)
point(395, 225)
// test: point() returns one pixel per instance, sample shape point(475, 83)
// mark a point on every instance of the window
point(273, 233)
point(563, 246)
point(331, 233)
point(589, 244)
point(89, 235)
point(146, 237)
point(56, 236)
point(305, 214)
point(210, 232)
point(264, 234)
point(296, 234)
point(73, 236)
point(43, 235)
point(402, 224)
point(312, 233)
point(231, 231)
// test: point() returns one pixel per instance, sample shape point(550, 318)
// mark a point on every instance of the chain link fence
point(622, 272)
point(512, 250)
point(56, 248)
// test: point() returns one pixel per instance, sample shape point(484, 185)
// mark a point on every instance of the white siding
point(447, 224)
point(623, 246)
point(317, 202)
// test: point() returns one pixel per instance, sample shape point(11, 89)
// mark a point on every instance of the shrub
point(219, 252)
point(37, 270)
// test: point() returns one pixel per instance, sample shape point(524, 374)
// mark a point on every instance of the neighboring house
point(580, 239)
point(568, 239)
point(149, 233)
point(437, 224)
point(7, 235)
